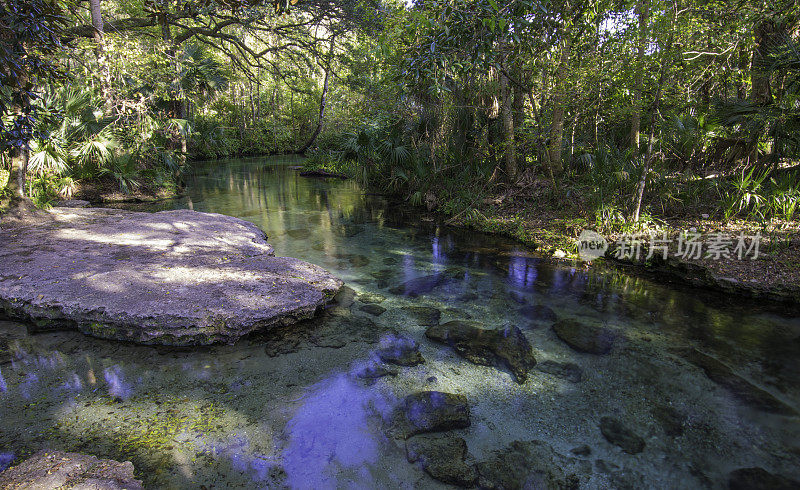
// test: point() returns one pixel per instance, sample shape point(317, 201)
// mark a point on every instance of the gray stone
point(173, 277)
point(443, 457)
point(345, 297)
point(57, 469)
point(566, 370)
point(358, 260)
point(759, 479)
point(670, 419)
point(374, 310)
point(618, 434)
point(431, 411)
point(424, 315)
point(505, 347)
point(400, 350)
point(585, 338)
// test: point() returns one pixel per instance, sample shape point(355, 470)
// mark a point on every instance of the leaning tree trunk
point(322, 104)
point(656, 105)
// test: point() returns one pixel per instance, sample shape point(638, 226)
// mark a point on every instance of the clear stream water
point(284, 410)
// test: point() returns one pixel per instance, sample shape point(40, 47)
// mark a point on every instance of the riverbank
point(531, 214)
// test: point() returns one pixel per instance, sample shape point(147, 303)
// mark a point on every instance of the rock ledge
point(173, 277)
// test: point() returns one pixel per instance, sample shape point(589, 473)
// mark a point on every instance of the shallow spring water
point(284, 410)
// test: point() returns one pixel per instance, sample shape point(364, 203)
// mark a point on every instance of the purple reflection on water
point(5, 460)
point(522, 273)
point(331, 432)
point(3, 385)
point(117, 387)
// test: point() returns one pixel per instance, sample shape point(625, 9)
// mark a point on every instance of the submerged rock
point(371, 298)
point(618, 434)
point(299, 233)
point(372, 370)
point(742, 389)
point(399, 350)
point(505, 347)
point(173, 277)
point(759, 479)
point(443, 457)
point(585, 338)
point(420, 285)
point(57, 469)
point(566, 370)
point(431, 411)
point(539, 313)
point(424, 315)
point(345, 297)
point(373, 310)
point(533, 464)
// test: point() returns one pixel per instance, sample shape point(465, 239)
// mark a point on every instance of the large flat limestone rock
point(173, 277)
point(57, 469)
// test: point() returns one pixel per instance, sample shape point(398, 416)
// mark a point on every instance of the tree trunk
point(519, 118)
point(765, 33)
point(507, 116)
point(19, 170)
point(100, 54)
point(656, 104)
point(322, 103)
point(642, 10)
point(559, 106)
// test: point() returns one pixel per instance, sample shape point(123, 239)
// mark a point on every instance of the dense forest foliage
point(626, 110)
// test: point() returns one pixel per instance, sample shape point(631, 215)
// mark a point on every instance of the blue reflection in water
point(117, 386)
point(5, 460)
point(522, 272)
point(330, 433)
point(73, 383)
point(3, 385)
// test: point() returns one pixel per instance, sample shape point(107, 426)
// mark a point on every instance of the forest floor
point(530, 214)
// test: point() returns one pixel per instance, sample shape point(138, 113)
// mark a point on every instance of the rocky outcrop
point(174, 277)
point(506, 347)
point(583, 337)
point(56, 469)
point(431, 411)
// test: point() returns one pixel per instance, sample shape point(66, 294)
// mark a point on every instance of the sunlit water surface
point(286, 410)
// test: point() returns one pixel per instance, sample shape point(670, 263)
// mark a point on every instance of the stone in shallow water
point(585, 338)
point(618, 434)
point(420, 285)
point(431, 411)
point(533, 464)
point(742, 389)
point(173, 277)
point(389, 260)
point(345, 297)
point(505, 347)
point(371, 298)
point(372, 370)
point(57, 469)
point(759, 479)
point(566, 370)
point(400, 350)
point(443, 457)
point(358, 260)
point(374, 310)
point(424, 315)
point(538, 313)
